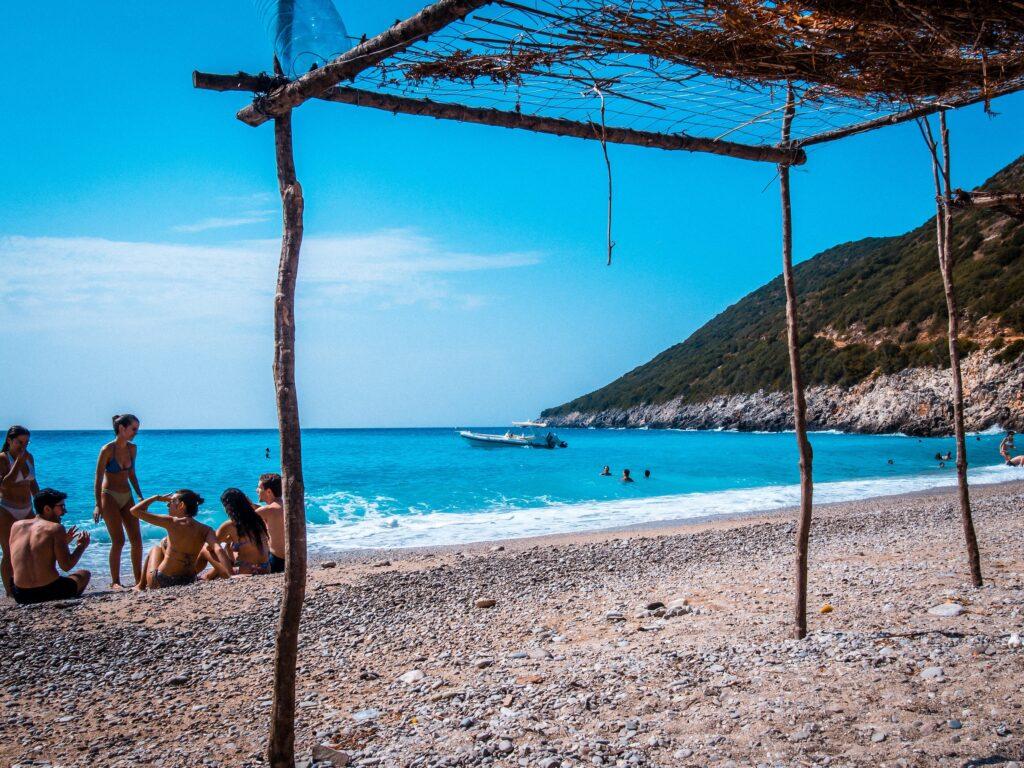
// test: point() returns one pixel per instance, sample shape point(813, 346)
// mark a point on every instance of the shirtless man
point(1006, 449)
point(39, 545)
point(268, 491)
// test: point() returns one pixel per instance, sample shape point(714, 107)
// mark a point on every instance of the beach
point(576, 663)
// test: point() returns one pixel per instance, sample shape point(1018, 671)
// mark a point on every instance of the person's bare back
point(273, 516)
point(39, 546)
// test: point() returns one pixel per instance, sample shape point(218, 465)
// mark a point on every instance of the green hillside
point(872, 305)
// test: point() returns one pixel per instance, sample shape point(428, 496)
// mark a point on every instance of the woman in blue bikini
point(17, 487)
point(115, 478)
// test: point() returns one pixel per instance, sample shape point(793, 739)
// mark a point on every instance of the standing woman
point(115, 470)
point(17, 487)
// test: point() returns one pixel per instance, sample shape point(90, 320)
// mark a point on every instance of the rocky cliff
point(915, 401)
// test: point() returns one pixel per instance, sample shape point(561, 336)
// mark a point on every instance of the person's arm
point(15, 466)
point(97, 485)
point(216, 556)
point(140, 511)
point(132, 478)
point(65, 559)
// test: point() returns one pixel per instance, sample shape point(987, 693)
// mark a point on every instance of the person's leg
point(6, 568)
point(153, 560)
point(131, 528)
point(112, 518)
point(81, 579)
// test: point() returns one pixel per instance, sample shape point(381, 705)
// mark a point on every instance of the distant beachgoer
point(39, 545)
point(1006, 449)
point(647, 474)
point(625, 476)
point(268, 453)
point(176, 560)
point(948, 456)
point(942, 464)
point(245, 535)
point(891, 461)
point(938, 456)
point(17, 487)
point(607, 471)
point(115, 479)
point(268, 490)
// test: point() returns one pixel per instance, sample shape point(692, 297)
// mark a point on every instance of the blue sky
point(452, 275)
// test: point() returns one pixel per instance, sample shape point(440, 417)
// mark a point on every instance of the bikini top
point(22, 477)
point(113, 465)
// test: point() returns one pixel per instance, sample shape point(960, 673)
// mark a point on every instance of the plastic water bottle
point(303, 32)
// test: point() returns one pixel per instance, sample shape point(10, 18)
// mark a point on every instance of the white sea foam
point(360, 524)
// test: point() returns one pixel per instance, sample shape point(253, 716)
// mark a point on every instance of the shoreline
point(666, 527)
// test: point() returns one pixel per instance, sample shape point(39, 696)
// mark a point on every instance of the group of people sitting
point(35, 542)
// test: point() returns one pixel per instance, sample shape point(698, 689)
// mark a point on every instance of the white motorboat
point(528, 436)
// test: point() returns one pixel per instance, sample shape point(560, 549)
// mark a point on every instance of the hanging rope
point(603, 138)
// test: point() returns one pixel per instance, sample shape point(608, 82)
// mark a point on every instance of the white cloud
point(224, 222)
point(60, 282)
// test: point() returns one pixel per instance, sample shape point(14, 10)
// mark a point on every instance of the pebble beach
point(662, 646)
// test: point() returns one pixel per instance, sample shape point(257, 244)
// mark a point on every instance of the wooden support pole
point(394, 40)
point(803, 530)
point(505, 119)
point(281, 746)
point(943, 238)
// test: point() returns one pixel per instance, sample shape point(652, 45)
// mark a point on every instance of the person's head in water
point(240, 511)
point(50, 505)
point(625, 476)
point(647, 473)
point(184, 503)
point(606, 471)
point(269, 487)
point(126, 425)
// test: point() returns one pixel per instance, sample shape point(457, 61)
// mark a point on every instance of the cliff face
point(915, 401)
point(872, 342)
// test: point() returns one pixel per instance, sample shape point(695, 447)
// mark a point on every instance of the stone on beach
point(946, 610)
point(484, 602)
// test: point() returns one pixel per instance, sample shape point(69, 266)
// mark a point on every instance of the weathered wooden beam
point(910, 114)
point(943, 240)
point(806, 454)
point(1010, 203)
point(393, 40)
point(281, 745)
point(504, 119)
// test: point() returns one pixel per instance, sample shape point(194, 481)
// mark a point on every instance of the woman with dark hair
point(115, 478)
point(17, 487)
point(175, 560)
point(245, 535)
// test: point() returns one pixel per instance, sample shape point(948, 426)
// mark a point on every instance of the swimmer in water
point(625, 476)
point(607, 471)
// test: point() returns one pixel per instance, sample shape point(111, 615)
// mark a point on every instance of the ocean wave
point(371, 529)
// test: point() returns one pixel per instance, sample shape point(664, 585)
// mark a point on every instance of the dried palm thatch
point(886, 50)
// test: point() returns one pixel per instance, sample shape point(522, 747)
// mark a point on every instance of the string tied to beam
point(602, 137)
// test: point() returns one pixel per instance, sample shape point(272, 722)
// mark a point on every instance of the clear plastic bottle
point(303, 32)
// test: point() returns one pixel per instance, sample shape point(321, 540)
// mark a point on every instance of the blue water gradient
point(409, 487)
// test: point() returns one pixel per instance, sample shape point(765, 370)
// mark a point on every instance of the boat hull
point(481, 440)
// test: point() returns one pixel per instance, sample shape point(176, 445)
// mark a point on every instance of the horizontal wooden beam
point(394, 40)
point(505, 119)
point(1010, 203)
point(910, 114)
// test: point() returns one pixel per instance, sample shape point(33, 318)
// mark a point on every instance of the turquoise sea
point(409, 487)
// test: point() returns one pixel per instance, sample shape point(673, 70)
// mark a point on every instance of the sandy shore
point(576, 663)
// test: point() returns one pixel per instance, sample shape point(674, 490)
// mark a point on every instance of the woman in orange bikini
point(115, 478)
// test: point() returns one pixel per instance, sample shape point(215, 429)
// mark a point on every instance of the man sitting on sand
point(39, 545)
point(268, 490)
point(1006, 449)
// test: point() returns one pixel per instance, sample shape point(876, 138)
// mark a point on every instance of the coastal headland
point(666, 646)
